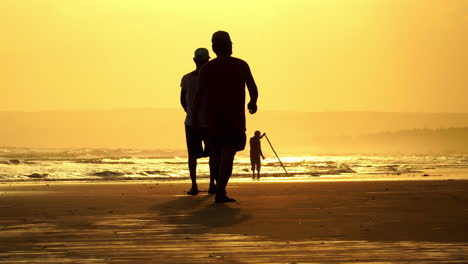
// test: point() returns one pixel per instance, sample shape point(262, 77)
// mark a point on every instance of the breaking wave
point(101, 164)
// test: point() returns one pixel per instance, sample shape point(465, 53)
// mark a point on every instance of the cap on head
point(257, 133)
point(201, 54)
point(221, 37)
point(221, 43)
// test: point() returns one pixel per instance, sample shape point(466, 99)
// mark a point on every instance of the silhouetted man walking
point(195, 135)
point(222, 82)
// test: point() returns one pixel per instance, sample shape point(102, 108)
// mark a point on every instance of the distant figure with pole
point(275, 153)
point(256, 153)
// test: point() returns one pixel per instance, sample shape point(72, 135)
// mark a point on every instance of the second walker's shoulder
point(209, 65)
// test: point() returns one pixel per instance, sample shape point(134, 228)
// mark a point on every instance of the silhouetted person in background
point(256, 153)
point(222, 82)
point(195, 135)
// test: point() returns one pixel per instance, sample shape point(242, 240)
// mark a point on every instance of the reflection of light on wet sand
point(338, 178)
point(147, 239)
point(26, 192)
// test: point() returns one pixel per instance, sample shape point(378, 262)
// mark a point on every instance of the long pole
point(276, 154)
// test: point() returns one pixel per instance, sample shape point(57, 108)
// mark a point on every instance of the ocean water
point(26, 165)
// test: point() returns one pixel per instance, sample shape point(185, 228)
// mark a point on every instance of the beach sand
point(272, 222)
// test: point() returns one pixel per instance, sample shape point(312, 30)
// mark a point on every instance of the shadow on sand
point(199, 214)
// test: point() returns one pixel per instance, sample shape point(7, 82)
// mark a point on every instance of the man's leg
point(214, 170)
point(258, 169)
point(193, 147)
point(252, 163)
point(227, 153)
point(192, 163)
point(208, 152)
point(214, 161)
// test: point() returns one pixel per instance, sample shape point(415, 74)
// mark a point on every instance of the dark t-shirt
point(222, 81)
point(189, 85)
point(255, 147)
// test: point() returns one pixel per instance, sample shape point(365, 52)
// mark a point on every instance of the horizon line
point(263, 110)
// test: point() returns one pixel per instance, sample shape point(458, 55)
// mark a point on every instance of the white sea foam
point(129, 164)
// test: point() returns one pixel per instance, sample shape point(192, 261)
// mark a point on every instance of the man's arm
point(183, 94)
point(183, 101)
point(252, 87)
point(200, 92)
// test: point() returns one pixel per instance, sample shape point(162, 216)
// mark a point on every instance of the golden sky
point(306, 55)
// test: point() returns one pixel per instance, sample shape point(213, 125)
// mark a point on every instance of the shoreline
point(248, 179)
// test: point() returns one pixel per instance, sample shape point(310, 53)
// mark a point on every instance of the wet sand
point(306, 222)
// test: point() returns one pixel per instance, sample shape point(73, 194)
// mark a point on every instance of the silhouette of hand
point(252, 106)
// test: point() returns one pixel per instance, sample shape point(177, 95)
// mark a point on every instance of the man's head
point(201, 56)
point(257, 133)
point(221, 43)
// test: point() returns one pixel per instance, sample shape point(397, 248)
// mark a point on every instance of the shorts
point(238, 140)
point(255, 159)
point(196, 138)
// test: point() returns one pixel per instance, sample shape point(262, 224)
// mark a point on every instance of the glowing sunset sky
point(306, 55)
